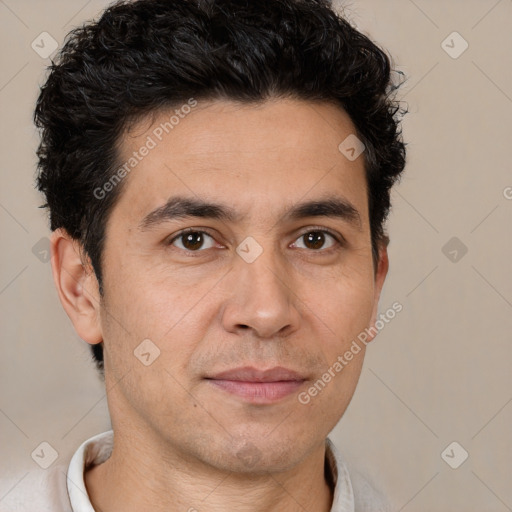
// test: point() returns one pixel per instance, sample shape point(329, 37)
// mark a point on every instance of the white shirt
point(58, 490)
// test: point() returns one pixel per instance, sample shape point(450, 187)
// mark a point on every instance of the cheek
point(150, 302)
point(173, 317)
point(345, 305)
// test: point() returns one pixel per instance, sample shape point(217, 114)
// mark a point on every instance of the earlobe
point(77, 287)
point(380, 277)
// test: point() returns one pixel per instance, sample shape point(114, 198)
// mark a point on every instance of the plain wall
point(439, 372)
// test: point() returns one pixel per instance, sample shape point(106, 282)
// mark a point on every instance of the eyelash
point(339, 240)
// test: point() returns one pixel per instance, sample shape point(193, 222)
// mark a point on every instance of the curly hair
point(145, 55)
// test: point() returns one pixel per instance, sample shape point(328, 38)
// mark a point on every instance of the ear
point(77, 286)
point(380, 277)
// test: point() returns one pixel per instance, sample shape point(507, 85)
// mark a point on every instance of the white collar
point(98, 449)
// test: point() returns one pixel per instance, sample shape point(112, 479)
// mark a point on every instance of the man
point(217, 174)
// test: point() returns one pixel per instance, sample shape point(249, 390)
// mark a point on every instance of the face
point(247, 309)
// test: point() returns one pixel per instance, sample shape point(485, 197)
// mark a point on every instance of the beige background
point(439, 372)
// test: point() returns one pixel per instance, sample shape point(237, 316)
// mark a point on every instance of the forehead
point(252, 155)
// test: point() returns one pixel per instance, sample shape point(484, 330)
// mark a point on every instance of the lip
point(258, 386)
point(251, 374)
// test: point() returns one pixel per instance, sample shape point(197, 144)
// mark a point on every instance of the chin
point(261, 455)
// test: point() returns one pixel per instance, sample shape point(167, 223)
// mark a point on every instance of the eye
point(316, 239)
point(192, 240)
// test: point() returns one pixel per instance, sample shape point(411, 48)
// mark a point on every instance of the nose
point(261, 299)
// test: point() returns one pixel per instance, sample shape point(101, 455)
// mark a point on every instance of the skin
point(181, 443)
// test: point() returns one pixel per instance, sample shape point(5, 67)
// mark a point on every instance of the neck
point(140, 473)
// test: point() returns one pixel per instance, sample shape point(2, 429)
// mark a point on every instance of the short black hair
point(146, 55)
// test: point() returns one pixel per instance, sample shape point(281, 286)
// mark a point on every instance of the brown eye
point(192, 241)
point(315, 240)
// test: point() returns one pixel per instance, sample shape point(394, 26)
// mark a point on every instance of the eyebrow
point(179, 207)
